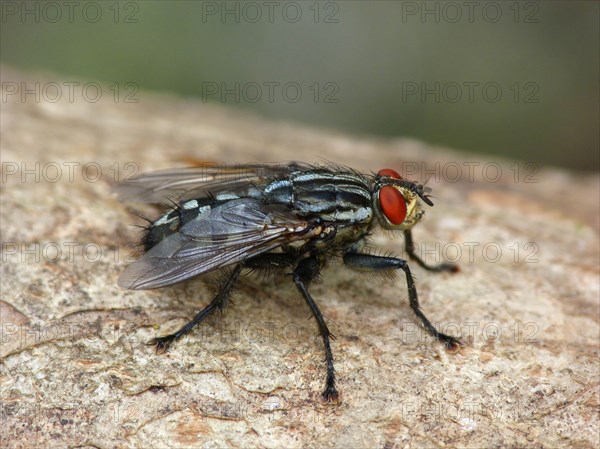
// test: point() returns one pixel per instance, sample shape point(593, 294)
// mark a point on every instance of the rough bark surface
point(75, 369)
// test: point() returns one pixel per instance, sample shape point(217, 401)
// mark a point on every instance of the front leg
point(409, 245)
point(367, 262)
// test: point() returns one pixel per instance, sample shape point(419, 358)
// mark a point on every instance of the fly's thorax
point(335, 237)
point(329, 195)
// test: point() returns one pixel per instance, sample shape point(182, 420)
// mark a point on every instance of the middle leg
point(305, 272)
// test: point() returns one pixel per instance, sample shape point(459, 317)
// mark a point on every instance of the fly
point(292, 217)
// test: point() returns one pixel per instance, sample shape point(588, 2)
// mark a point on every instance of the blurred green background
point(517, 79)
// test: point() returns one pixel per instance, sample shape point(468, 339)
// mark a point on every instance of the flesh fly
point(292, 217)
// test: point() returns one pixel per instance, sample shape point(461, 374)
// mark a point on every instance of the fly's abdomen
point(172, 221)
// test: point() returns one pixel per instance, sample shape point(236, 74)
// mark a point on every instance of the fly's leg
point(367, 262)
point(306, 271)
point(409, 245)
point(163, 343)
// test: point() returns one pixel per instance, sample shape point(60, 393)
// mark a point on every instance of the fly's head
point(396, 201)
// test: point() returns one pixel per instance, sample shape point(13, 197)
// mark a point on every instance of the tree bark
point(75, 367)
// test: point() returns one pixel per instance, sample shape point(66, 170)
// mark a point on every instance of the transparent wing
point(198, 182)
point(230, 233)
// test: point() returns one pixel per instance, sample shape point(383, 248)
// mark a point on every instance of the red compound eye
point(389, 172)
point(392, 204)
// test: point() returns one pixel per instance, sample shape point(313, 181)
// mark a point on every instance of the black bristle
point(139, 215)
